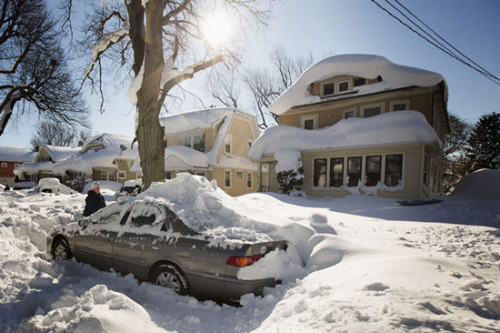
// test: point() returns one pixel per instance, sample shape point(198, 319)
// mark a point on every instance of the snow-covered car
point(130, 188)
point(52, 185)
point(24, 185)
point(150, 241)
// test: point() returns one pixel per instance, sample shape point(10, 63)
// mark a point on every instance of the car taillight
point(243, 261)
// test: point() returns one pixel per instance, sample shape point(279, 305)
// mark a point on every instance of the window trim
point(121, 174)
point(406, 102)
point(322, 89)
point(249, 180)
point(370, 106)
point(228, 172)
point(348, 111)
point(313, 117)
point(228, 142)
point(343, 91)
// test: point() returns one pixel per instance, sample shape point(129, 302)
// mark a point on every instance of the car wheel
point(61, 250)
point(170, 276)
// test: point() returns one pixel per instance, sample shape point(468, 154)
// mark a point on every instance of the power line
point(433, 41)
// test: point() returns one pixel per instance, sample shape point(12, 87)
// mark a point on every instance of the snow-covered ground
point(362, 264)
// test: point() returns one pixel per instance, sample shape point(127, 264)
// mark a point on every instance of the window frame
point(227, 179)
point(372, 106)
point(348, 173)
point(5, 164)
point(313, 117)
point(323, 85)
point(369, 174)
point(249, 180)
point(316, 176)
point(405, 102)
point(121, 174)
point(346, 90)
point(387, 172)
point(228, 143)
point(332, 172)
point(344, 114)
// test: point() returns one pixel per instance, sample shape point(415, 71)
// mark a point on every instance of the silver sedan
point(150, 241)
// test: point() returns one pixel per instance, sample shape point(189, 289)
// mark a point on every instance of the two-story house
point(11, 157)
point(347, 116)
point(213, 143)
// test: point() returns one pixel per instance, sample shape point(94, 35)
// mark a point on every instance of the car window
point(144, 215)
point(106, 215)
point(174, 223)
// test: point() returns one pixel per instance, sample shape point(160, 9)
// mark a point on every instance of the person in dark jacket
point(94, 200)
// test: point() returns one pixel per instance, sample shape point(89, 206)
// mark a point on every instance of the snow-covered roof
point(185, 158)
point(99, 152)
point(58, 153)
point(361, 65)
point(203, 119)
point(12, 154)
point(401, 127)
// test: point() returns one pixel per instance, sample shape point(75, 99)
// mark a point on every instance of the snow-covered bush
point(291, 181)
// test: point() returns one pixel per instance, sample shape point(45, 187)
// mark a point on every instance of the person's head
point(96, 187)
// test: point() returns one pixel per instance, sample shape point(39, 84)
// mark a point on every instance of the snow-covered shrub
point(291, 181)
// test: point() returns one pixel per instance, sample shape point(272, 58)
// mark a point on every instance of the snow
point(402, 127)
point(353, 264)
point(11, 154)
point(362, 65)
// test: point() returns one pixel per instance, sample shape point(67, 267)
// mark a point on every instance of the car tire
point(170, 276)
point(61, 250)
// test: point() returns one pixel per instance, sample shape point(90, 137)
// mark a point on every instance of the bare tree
point(266, 84)
point(163, 42)
point(33, 71)
point(225, 87)
point(57, 133)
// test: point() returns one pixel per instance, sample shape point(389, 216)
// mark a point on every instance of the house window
point(343, 86)
point(399, 106)
point(164, 144)
point(328, 89)
point(372, 111)
point(359, 82)
point(337, 172)
point(319, 172)
point(239, 174)
point(108, 175)
point(249, 180)
point(168, 175)
point(194, 139)
point(4, 165)
point(393, 169)
point(309, 122)
point(353, 171)
point(122, 175)
point(227, 179)
point(349, 114)
point(227, 144)
point(373, 169)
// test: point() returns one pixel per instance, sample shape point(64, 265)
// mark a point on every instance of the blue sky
point(330, 27)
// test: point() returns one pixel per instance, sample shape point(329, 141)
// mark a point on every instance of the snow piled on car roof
point(208, 210)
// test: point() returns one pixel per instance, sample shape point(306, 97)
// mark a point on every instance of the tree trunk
point(149, 133)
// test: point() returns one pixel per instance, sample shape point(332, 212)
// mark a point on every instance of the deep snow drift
point(356, 264)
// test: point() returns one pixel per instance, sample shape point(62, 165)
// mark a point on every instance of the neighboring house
point(42, 165)
point(213, 143)
point(104, 157)
point(346, 117)
point(11, 157)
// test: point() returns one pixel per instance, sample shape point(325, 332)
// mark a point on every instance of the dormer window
point(359, 82)
point(328, 89)
point(343, 86)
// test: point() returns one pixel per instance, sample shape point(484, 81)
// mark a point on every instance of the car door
point(135, 247)
point(93, 243)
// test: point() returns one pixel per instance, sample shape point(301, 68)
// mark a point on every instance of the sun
point(216, 29)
